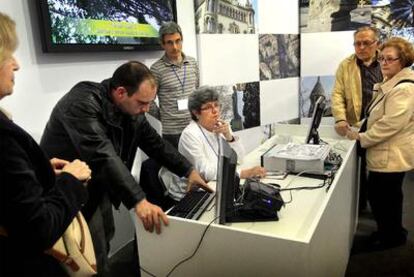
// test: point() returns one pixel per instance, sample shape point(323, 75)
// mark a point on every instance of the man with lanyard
point(177, 76)
point(352, 91)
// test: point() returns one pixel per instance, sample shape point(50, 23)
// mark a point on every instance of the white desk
point(313, 236)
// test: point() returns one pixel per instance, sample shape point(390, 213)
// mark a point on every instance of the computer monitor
point(259, 203)
point(313, 135)
point(227, 182)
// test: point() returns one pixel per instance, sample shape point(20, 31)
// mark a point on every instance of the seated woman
point(198, 142)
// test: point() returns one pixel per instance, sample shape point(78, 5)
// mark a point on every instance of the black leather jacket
point(86, 125)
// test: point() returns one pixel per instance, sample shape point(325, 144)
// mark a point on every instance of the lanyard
point(208, 141)
point(182, 83)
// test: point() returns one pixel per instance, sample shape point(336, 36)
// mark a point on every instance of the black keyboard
point(192, 205)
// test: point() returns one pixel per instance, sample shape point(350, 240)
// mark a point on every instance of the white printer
point(296, 158)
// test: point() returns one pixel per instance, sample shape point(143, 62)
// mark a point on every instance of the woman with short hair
point(199, 141)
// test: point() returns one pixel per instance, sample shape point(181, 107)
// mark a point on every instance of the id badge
point(182, 104)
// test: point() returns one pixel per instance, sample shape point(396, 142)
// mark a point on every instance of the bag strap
point(372, 104)
point(63, 258)
point(404, 81)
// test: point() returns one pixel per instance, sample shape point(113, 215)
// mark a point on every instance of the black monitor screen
point(227, 182)
point(313, 135)
point(103, 25)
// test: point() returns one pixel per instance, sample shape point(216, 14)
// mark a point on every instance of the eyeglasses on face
point(364, 43)
point(172, 42)
point(387, 60)
point(211, 106)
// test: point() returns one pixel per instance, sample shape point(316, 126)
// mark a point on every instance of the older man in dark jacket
point(104, 124)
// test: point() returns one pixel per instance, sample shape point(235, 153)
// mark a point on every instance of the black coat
point(85, 124)
point(35, 206)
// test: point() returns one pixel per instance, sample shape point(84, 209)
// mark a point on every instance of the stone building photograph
point(392, 14)
point(225, 16)
point(310, 89)
point(278, 56)
point(240, 104)
point(334, 15)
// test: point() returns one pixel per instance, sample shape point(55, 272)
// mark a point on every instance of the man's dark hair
point(130, 75)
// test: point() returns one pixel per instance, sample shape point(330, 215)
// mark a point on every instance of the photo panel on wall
point(335, 15)
point(278, 56)
point(311, 88)
point(225, 17)
point(240, 104)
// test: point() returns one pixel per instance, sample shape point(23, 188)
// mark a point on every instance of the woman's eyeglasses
point(211, 107)
point(387, 60)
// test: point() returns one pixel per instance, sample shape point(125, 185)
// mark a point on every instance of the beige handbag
point(74, 249)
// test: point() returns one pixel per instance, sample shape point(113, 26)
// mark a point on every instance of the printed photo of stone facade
point(310, 89)
point(225, 16)
point(333, 15)
point(391, 14)
point(278, 56)
point(240, 105)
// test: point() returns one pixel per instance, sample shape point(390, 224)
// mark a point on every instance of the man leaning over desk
point(104, 124)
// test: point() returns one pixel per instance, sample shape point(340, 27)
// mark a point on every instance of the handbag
point(74, 249)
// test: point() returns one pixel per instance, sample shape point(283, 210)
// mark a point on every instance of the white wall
point(45, 77)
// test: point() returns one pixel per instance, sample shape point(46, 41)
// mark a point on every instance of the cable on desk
point(330, 177)
point(195, 251)
point(198, 245)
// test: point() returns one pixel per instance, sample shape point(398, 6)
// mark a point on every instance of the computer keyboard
point(192, 205)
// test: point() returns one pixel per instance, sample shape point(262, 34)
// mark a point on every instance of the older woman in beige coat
point(389, 141)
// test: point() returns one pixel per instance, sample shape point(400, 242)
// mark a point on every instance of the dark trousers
point(386, 199)
point(101, 226)
point(363, 179)
point(173, 139)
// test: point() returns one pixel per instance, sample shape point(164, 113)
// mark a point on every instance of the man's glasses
point(211, 107)
point(171, 42)
point(387, 60)
point(364, 43)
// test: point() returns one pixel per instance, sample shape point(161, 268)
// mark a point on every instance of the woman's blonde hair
point(404, 48)
point(8, 37)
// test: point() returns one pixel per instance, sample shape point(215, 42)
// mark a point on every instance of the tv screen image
point(103, 25)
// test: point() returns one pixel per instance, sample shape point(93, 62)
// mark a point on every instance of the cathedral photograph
point(225, 16)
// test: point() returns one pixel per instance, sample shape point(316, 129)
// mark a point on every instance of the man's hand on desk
point(341, 127)
point(194, 179)
point(150, 215)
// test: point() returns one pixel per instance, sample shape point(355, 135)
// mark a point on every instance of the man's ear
point(119, 93)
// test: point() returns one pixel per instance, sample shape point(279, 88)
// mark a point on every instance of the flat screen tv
point(313, 134)
point(103, 25)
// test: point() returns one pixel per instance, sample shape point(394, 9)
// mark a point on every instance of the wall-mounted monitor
point(103, 25)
